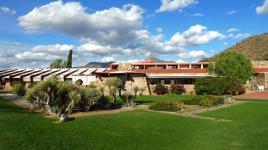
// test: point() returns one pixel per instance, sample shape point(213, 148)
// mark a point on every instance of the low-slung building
point(145, 74)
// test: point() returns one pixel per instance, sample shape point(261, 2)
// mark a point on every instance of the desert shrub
point(205, 101)
point(89, 98)
point(165, 106)
point(210, 86)
point(18, 89)
point(177, 89)
point(193, 101)
point(160, 89)
point(210, 100)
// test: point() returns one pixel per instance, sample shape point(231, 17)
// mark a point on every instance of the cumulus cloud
point(262, 9)
point(171, 5)
point(197, 15)
point(231, 12)
point(192, 54)
point(33, 56)
point(108, 59)
point(107, 34)
point(195, 35)
point(6, 10)
point(111, 26)
point(55, 49)
point(44, 53)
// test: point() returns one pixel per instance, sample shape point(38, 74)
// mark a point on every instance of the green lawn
point(174, 98)
point(22, 129)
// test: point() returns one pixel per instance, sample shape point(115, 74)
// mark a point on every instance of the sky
point(34, 33)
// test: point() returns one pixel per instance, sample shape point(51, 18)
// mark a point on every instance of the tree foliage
point(113, 87)
point(57, 63)
point(234, 66)
point(69, 59)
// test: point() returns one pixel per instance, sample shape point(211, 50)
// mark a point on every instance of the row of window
point(171, 81)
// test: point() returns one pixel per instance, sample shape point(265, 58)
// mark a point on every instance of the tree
point(235, 68)
point(69, 59)
point(113, 86)
point(57, 63)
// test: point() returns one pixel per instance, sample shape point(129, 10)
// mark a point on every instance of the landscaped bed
point(248, 129)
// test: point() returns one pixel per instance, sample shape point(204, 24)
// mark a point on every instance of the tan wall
point(260, 64)
point(266, 81)
point(141, 82)
point(7, 87)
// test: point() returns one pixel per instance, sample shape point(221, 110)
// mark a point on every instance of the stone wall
point(266, 81)
point(141, 82)
point(260, 64)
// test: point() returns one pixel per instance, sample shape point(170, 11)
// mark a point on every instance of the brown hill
point(255, 47)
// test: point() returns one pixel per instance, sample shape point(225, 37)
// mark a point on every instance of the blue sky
point(33, 33)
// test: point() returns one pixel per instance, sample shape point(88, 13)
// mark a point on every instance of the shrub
point(160, 89)
point(193, 101)
point(205, 100)
point(18, 89)
point(210, 100)
point(177, 89)
point(165, 106)
point(210, 86)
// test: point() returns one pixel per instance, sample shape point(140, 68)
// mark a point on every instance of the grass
point(161, 98)
point(22, 129)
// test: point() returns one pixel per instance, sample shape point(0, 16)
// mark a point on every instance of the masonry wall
point(266, 81)
point(260, 64)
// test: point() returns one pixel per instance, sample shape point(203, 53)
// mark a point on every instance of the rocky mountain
point(97, 65)
point(255, 47)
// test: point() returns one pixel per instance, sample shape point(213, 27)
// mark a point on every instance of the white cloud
point(192, 54)
point(111, 26)
point(55, 49)
point(262, 9)
point(231, 12)
point(119, 33)
point(171, 5)
point(230, 30)
point(94, 48)
point(44, 53)
point(195, 35)
point(6, 10)
point(197, 15)
point(108, 59)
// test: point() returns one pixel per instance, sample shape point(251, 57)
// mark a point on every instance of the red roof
point(260, 70)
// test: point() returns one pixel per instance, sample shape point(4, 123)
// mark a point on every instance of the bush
point(18, 89)
point(209, 100)
point(194, 101)
point(177, 89)
point(210, 86)
point(205, 100)
point(160, 89)
point(165, 106)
